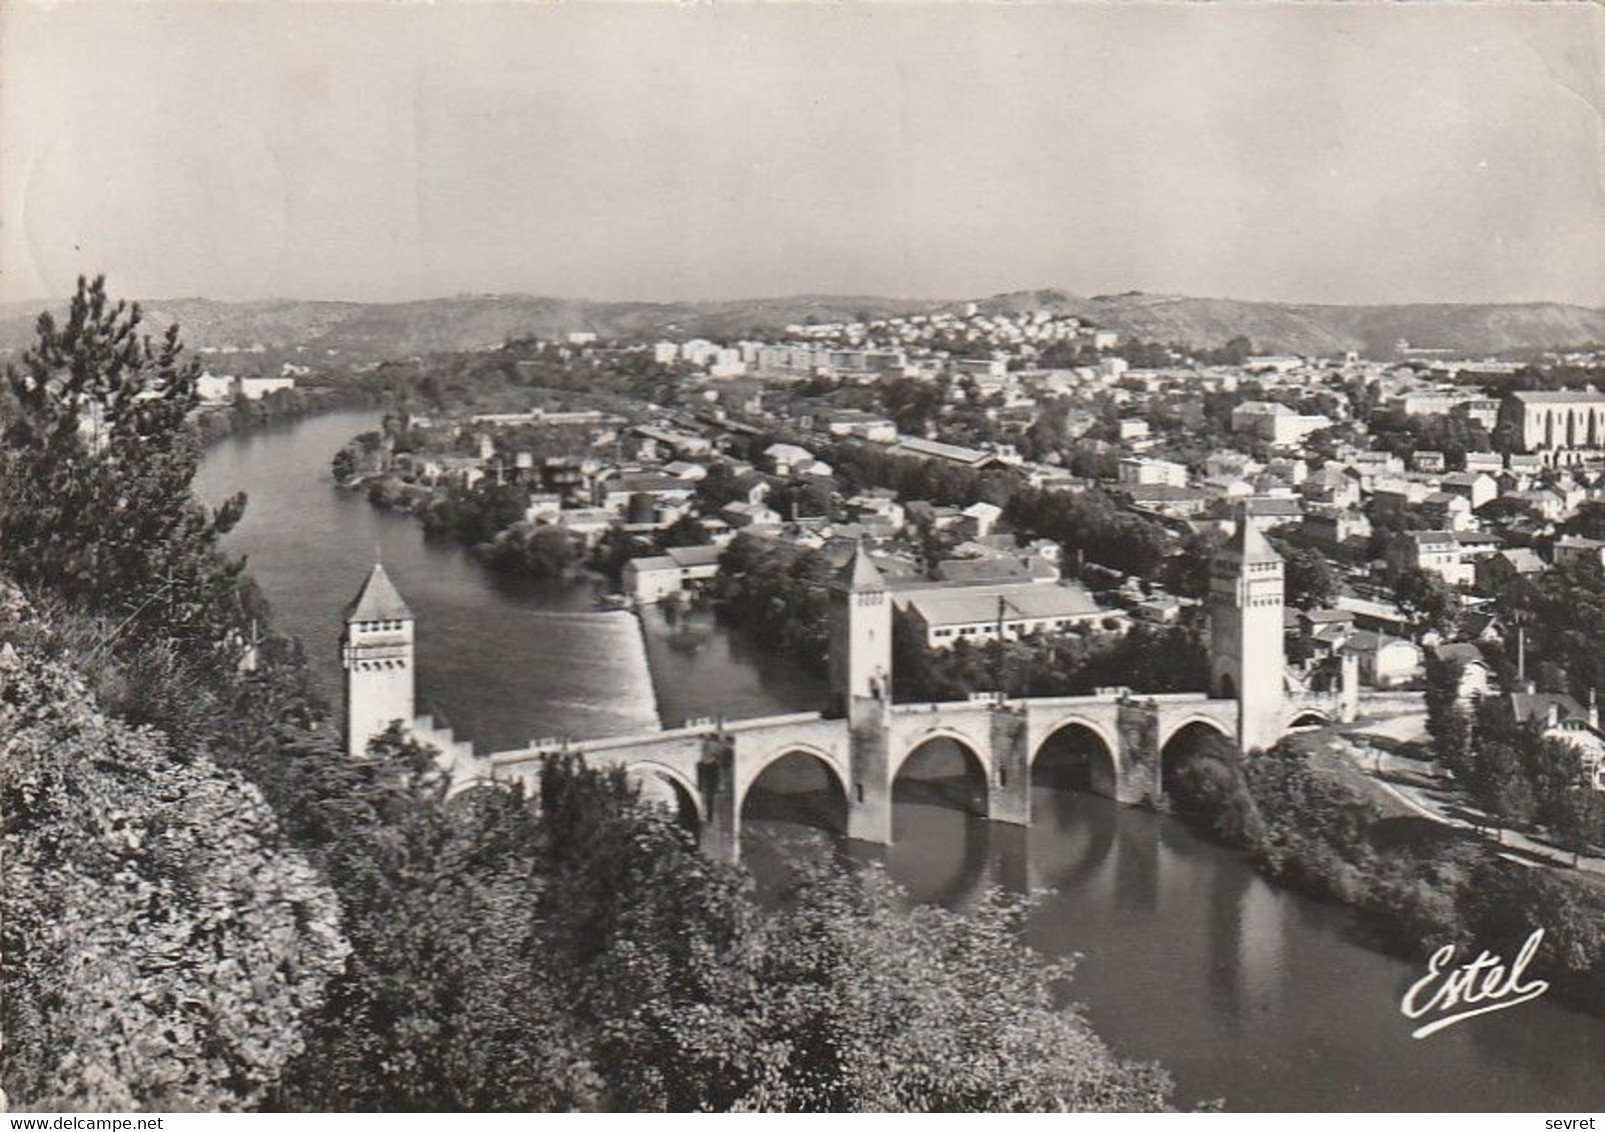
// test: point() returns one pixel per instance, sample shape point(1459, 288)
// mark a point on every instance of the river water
point(1244, 992)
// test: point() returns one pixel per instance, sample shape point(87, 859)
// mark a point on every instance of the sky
point(1298, 152)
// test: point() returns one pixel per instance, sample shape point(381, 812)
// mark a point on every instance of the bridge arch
point(667, 786)
point(967, 743)
point(811, 772)
point(1307, 716)
point(925, 770)
point(1175, 727)
point(1181, 742)
point(1077, 754)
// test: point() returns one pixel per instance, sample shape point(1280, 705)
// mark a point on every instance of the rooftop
point(378, 600)
point(974, 605)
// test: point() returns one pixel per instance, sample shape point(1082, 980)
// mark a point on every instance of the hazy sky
point(1301, 152)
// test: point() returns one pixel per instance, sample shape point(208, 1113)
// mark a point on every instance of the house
point(1482, 625)
point(615, 489)
point(1292, 469)
point(996, 570)
point(543, 507)
point(856, 422)
point(946, 615)
point(1275, 422)
point(980, 518)
point(1545, 502)
point(1270, 512)
point(787, 459)
point(946, 453)
point(256, 388)
point(686, 470)
point(1495, 571)
point(1227, 487)
point(214, 390)
point(588, 523)
point(1162, 499)
point(1348, 531)
point(1436, 552)
point(1161, 609)
point(1447, 512)
point(1229, 462)
point(879, 503)
point(740, 515)
point(1312, 621)
point(1391, 505)
point(1384, 661)
point(1478, 487)
point(1141, 470)
point(1379, 616)
point(1476, 679)
point(648, 580)
point(1562, 718)
point(1332, 485)
point(1574, 550)
point(659, 443)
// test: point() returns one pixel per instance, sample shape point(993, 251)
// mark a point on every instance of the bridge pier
point(869, 790)
point(1008, 793)
point(1139, 778)
point(716, 781)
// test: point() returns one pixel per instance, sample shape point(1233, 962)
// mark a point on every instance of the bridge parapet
point(979, 706)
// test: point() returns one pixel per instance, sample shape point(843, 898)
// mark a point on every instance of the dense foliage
point(1417, 886)
point(778, 592)
point(1515, 776)
point(161, 944)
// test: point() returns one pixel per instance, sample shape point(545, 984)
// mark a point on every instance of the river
point(1187, 957)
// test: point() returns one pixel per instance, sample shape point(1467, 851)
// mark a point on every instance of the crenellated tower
point(1247, 661)
point(376, 651)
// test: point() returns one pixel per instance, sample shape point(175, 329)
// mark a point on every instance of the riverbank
point(1311, 819)
point(219, 422)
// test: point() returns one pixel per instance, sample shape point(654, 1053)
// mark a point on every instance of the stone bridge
point(1123, 745)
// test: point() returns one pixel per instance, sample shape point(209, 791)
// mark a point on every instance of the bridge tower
point(860, 640)
point(376, 651)
point(1246, 659)
point(861, 691)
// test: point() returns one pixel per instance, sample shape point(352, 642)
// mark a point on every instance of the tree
point(448, 1002)
point(916, 1033)
point(1447, 724)
point(1568, 801)
point(1309, 577)
point(1427, 600)
point(1589, 520)
point(97, 461)
point(1187, 572)
point(1499, 785)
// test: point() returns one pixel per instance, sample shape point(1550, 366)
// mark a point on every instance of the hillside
point(1480, 328)
point(391, 330)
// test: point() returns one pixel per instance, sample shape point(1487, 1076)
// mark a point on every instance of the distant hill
point(390, 330)
point(1309, 328)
